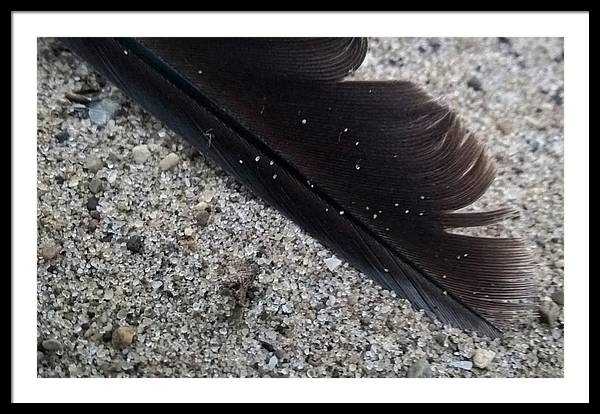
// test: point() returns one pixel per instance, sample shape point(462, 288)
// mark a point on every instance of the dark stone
point(52, 269)
point(107, 336)
point(108, 236)
point(534, 145)
point(59, 179)
point(267, 346)
point(559, 297)
point(202, 218)
point(92, 203)
point(557, 97)
point(434, 44)
point(504, 40)
point(422, 49)
point(135, 244)
point(475, 84)
point(62, 136)
point(93, 225)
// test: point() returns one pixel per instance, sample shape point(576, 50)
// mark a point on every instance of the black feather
point(376, 170)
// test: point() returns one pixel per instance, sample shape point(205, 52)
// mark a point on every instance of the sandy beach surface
point(154, 263)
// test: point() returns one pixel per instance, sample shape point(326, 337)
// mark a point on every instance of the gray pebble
point(93, 164)
point(95, 185)
point(420, 369)
point(202, 217)
point(441, 339)
point(169, 162)
point(558, 297)
point(50, 250)
point(51, 345)
point(140, 154)
point(549, 313)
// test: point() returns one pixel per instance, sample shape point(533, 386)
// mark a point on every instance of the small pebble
point(135, 244)
point(169, 162)
point(483, 357)
point(441, 339)
point(102, 111)
point(466, 365)
point(140, 154)
point(202, 217)
point(123, 336)
point(332, 263)
point(51, 345)
point(534, 123)
point(92, 203)
point(272, 363)
point(549, 313)
point(50, 250)
point(420, 369)
point(206, 197)
point(475, 84)
point(62, 136)
point(188, 231)
point(95, 185)
point(504, 126)
point(93, 164)
point(93, 225)
point(558, 297)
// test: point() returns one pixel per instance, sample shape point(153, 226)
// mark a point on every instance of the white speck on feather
point(332, 263)
point(406, 211)
point(304, 122)
point(126, 52)
point(357, 142)
point(257, 159)
point(274, 176)
point(200, 72)
point(241, 162)
point(396, 204)
point(342, 213)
